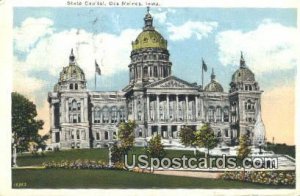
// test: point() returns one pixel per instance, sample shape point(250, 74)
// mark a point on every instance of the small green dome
point(72, 72)
point(213, 86)
point(243, 74)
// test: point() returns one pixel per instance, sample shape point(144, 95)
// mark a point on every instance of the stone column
point(82, 110)
point(222, 114)
point(93, 114)
point(169, 131)
point(64, 107)
point(187, 106)
point(148, 108)
point(177, 111)
point(168, 108)
point(157, 108)
point(135, 109)
point(52, 120)
point(67, 111)
point(196, 107)
point(159, 130)
point(85, 109)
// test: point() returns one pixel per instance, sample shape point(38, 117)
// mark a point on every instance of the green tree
point(117, 153)
point(155, 148)
point(187, 136)
point(126, 135)
point(25, 126)
point(244, 148)
point(206, 138)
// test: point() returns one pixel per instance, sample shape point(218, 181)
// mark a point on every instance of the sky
point(43, 38)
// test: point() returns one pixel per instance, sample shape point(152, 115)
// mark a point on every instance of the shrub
point(83, 164)
point(263, 177)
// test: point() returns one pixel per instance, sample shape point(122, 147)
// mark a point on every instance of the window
point(211, 114)
point(72, 135)
point(105, 115)
point(57, 137)
point(155, 71)
point(71, 86)
point(76, 86)
point(145, 71)
point(114, 115)
point(218, 114)
point(78, 134)
point(79, 119)
point(226, 114)
point(106, 135)
point(97, 136)
point(97, 115)
point(122, 114)
point(140, 133)
point(226, 133)
point(83, 135)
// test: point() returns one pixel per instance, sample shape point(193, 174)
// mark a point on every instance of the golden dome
point(149, 37)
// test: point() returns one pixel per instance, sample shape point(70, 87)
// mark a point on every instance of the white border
point(6, 56)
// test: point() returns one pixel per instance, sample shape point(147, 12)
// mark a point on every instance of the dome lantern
point(148, 21)
point(213, 86)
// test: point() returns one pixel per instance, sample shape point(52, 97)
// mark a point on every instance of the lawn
point(68, 178)
point(91, 154)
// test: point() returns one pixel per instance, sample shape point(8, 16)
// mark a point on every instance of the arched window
point(105, 115)
point(77, 134)
point(74, 105)
point(122, 114)
point(226, 133)
point(211, 114)
point(155, 71)
point(106, 135)
point(97, 135)
point(76, 86)
point(71, 86)
point(140, 133)
point(97, 115)
point(226, 114)
point(114, 116)
point(145, 71)
point(218, 114)
point(74, 112)
point(83, 135)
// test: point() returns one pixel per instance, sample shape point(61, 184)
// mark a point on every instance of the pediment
point(171, 82)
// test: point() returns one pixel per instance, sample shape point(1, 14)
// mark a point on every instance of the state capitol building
point(158, 101)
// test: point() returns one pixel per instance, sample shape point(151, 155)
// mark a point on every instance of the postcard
point(151, 96)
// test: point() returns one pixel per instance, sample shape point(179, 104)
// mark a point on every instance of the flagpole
point(202, 74)
point(95, 82)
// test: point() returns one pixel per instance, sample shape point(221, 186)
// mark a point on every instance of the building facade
point(158, 101)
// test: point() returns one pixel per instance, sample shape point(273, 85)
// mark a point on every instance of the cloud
point(31, 29)
point(271, 46)
point(161, 14)
point(25, 84)
point(51, 53)
point(190, 28)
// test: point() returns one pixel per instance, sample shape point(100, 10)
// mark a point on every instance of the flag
point(204, 66)
point(97, 68)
